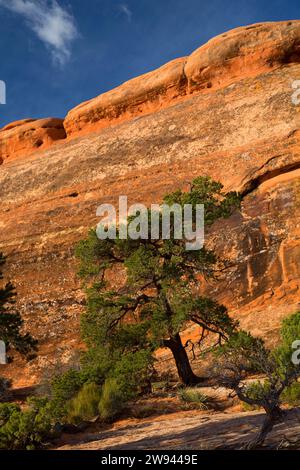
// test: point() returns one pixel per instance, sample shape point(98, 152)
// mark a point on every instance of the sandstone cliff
point(25, 137)
point(227, 111)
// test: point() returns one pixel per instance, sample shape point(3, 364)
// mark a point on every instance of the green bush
point(290, 329)
point(6, 410)
point(291, 395)
point(97, 362)
point(192, 395)
point(64, 387)
point(132, 372)
point(112, 399)
point(256, 391)
point(25, 429)
point(85, 405)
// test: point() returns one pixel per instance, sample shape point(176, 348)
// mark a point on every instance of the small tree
point(11, 321)
point(157, 284)
point(244, 354)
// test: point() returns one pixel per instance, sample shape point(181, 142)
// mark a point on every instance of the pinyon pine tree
point(244, 355)
point(11, 322)
point(141, 293)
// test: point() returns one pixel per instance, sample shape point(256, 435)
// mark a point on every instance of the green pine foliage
point(11, 322)
point(64, 388)
point(156, 295)
point(244, 354)
point(291, 395)
point(26, 429)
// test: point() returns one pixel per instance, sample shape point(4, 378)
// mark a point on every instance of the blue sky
point(58, 53)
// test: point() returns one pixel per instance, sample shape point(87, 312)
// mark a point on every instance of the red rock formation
point(243, 52)
point(22, 138)
point(226, 111)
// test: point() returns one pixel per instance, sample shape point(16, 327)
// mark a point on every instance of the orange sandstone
point(224, 111)
point(24, 137)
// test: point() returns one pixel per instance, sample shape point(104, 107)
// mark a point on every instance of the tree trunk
point(184, 369)
point(273, 416)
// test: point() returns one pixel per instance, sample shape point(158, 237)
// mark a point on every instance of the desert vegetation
point(244, 354)
point(141, 295)
point(11, 324)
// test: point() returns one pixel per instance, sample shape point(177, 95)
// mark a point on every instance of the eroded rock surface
point(25, 137)
point(233, 118)
point(242, 52)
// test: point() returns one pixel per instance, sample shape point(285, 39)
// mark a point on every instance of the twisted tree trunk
point(274, 415)
point(184, 369)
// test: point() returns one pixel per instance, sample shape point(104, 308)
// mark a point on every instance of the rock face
point(22, 138)
point(240, 53)
point(226, 111)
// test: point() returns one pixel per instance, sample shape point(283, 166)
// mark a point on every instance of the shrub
point(97, 362)
point(132, 372)
point(28, 429)
point(6, 410)
point(291, 395)
point(256, 391)
point(64, 387)
point(244, 354)
point(112, 399)
point(290, 329)
point(192, 395)
point(85, 405)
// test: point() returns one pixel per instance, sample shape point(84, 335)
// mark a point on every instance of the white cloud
point(126, 11)
point(53, 24)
